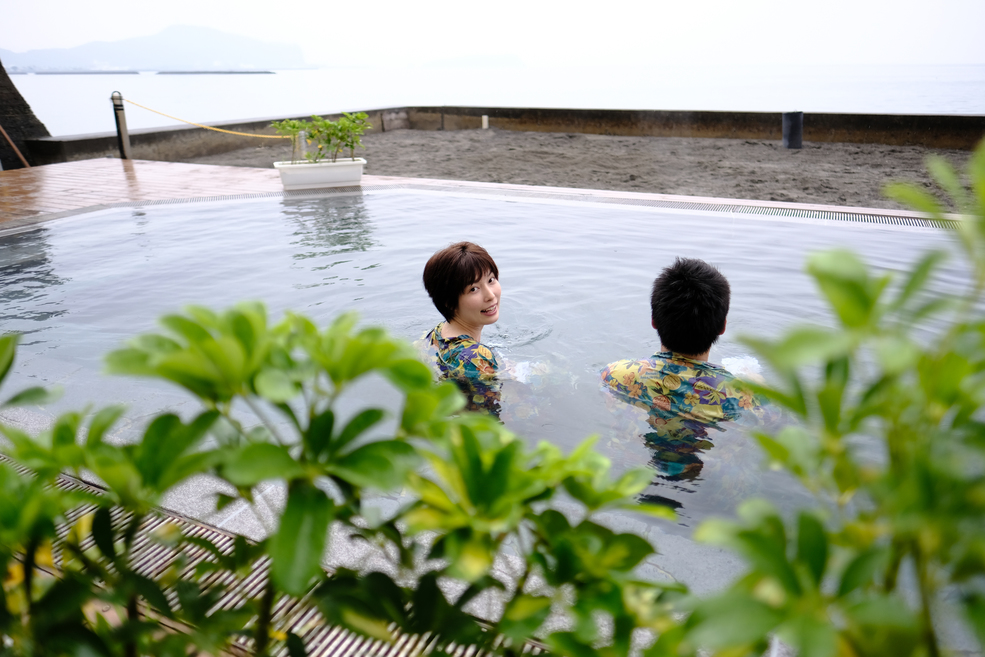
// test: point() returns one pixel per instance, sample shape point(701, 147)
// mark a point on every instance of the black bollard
point(122, 134)
point(793, 129)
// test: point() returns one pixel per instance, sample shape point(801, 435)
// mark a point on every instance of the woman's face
point(478, 305)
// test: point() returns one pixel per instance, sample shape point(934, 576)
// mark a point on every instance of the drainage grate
point(300, 616)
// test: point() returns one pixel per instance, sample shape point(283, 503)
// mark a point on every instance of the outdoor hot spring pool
point(575, 275)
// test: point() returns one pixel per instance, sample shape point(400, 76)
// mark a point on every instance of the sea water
point(78, 104)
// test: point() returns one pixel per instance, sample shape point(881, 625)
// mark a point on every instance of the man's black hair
point(688, 305)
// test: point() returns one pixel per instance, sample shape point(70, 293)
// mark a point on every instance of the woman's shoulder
point(462, 350)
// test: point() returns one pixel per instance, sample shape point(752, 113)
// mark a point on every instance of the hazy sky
point(631, 32)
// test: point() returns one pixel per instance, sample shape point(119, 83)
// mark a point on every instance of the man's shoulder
point(633, 368)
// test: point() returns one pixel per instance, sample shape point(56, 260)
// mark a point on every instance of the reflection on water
point(324, 229)
point(26, 276)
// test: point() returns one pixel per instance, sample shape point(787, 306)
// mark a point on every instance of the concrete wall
point(177, 143)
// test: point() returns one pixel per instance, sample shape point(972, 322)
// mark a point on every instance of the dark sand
point(823, 173)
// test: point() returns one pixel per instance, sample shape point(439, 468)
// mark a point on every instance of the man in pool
point(682, 393)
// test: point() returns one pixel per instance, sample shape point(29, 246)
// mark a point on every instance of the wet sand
point(824, 173)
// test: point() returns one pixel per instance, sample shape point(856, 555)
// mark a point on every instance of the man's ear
point(653, 324)
point(724, 324)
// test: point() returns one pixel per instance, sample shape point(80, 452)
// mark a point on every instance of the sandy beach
point(825, 173)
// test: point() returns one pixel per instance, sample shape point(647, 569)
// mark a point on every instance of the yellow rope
point(228, 132)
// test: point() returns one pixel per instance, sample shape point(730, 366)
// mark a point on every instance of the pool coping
point(777, 209)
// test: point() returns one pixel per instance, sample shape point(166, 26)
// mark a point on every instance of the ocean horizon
point(72, 104)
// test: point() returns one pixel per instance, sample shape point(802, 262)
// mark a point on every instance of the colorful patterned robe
point(468, 363)
point(683, 398)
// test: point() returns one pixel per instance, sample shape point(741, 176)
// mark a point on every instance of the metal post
point(793, 129)
point(122, 135)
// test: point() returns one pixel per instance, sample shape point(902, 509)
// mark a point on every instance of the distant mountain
point(177, 48)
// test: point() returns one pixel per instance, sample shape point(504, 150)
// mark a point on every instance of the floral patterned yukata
point(683, 397)
point(468, 363)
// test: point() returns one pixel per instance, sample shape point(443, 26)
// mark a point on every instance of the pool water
point(575, 279)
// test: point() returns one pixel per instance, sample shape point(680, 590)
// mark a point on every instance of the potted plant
point(322, 165)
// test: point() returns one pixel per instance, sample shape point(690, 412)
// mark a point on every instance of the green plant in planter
point(330, 138)
point(291, 128)
point(351, 129)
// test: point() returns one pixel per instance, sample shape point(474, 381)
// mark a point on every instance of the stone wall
point(959, 132)
point(18, 121)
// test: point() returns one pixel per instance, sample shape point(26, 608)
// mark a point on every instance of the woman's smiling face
point(478, 305)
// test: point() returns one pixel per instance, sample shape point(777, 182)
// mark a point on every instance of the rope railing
point(208, 127)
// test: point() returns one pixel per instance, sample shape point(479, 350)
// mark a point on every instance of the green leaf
point(809, 345)
point(944, 175)
point(812, 545)
point(470, 554)
point(523, 616)
point(409, 374)
point(882, 612)
point(295, 646)
point(653, 510)
point(297, 547)
point(186, 328)
point(625, 551)
point(8, 348)
point(132, 362)
point(914, 197)
point(102, 532)
point(250, 465)
point(974, 607)
point(318, 435)
point(275, 385)
point(811, 637)
point(845, 281)
point(861, 571)
point(356, 427)
point(101, 423)
point(732, 620)
point(151, 592)
point(896, 354)
point(570, 645)
point(382, 465)
point(65, 430)
point(918, 276)
point(36, 396)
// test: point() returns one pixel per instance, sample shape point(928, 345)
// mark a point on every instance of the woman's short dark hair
point(688, 305)
point(451, 270)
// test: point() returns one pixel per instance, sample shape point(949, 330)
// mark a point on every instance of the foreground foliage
point(890, 435)
point(269, 413)
point(891, 438)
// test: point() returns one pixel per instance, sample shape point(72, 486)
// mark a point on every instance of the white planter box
point(308, 175)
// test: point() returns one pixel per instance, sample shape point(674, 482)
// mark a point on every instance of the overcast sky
point(536, 32)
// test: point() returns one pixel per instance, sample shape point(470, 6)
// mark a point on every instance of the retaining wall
point(182, 142)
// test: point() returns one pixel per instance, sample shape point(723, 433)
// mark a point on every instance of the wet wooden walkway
point(57, 188)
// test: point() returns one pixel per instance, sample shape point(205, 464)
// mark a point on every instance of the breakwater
point(179, 142)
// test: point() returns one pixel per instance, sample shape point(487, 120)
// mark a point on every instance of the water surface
point(575, 280)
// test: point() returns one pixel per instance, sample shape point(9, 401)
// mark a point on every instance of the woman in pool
point(463, 282)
